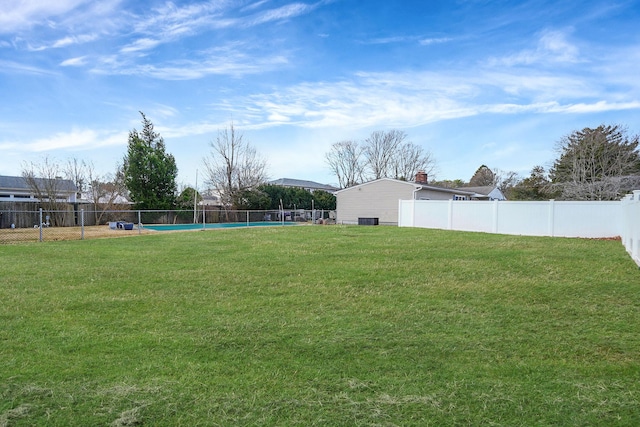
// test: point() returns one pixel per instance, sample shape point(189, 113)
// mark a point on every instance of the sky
point(473, 82)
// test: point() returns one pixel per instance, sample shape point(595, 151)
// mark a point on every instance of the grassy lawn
point(333, 325)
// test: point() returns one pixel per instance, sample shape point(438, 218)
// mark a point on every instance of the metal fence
point(41, 225)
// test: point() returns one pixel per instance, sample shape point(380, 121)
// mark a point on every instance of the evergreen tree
point(596, 164)
point(150, 172)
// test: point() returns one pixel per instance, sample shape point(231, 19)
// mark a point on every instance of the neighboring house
point(379, 198)
point(16, 189)
point(485, 193)
point(307, 185)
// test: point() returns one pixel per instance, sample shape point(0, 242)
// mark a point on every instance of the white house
point(485, 193)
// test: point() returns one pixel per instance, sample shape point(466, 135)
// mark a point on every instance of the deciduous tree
point(346, 162)
point(234, 166)
point(384, 154)
point(44, 179)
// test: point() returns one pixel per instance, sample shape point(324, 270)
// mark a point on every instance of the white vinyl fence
point(545, 218)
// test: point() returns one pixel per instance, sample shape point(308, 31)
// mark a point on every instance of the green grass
point(303, 326)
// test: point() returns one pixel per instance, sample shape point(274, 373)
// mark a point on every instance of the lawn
point(319, 325)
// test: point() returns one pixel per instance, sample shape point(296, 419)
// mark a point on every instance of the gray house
point(379, 199)
point(16, 189)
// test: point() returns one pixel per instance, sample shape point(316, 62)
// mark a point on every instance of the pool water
point(176, 227)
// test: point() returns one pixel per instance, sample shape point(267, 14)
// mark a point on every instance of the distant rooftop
point(301, 183)
point(19, 183)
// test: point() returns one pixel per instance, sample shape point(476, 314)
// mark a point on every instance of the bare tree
point(47, 185)
point(77, 171)
point(345, 161)
point(409, 159)
point(234, 166)
point(379, 151)
point(106, 193)
point(384, 154)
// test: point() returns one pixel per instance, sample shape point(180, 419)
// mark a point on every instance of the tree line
point(601, 163)
point(147, 177)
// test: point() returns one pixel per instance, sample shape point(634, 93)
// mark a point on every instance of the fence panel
point(470, 215)
point(523, 218)
point(546, 218)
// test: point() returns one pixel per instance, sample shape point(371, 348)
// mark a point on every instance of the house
point(485, 193)
point(16, 189)
point(379, 199)
point(307, 185)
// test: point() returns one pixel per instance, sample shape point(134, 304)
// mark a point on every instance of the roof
point(289, 182)
point(488, 191)
point(416, 186)
point(19, 183)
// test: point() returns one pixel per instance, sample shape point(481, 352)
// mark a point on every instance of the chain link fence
point(39, 226)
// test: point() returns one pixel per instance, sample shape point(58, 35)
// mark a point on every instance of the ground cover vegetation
point(312, 325)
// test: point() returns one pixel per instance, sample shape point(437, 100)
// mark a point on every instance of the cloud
point(141, 44)
point(552, 48)
point(65, 42)
point(221, 62)
point(20, 14)
point(19, 68)
point(413, 99)
point(281, 13)
point(437, 40)
point(74, 62)
point(76, 139)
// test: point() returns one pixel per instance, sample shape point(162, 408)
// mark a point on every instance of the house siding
point(432, 195)
point(377, 199)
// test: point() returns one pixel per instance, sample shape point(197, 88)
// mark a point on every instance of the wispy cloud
point(413, 99)
point(231, 63)
point(284, 12)
point(65, 42)
point(76, 139)
point(74, 62)
point(17, 15)
point(16, 67)
point(140, 45)
point(435, 40)
point(552, 48)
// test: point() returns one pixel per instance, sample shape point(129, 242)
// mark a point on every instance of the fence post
point(551, 216)
point(139, 223)
point(81, 224)
point(635, 227)
point(494, 227)
point(450, 215)
point(40, 224)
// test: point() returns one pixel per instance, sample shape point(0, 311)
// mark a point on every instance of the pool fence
point(41, 225)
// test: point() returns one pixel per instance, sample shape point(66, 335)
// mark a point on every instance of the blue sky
point(473, 82)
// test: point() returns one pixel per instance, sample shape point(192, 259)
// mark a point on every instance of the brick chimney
point(422, 177)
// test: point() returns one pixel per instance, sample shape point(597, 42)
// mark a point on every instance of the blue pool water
point(176, 227)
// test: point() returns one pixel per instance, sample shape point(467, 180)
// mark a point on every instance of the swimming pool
point(178, 227)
